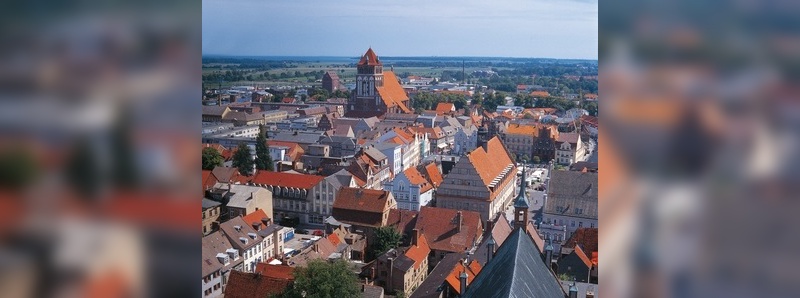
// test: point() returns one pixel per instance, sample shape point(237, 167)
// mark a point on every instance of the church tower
point(369, 76)
point(521, 204)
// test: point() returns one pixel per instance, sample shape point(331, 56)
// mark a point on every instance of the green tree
point(242, 160)
point(386, 238)
point(18, 168)
point(324, 280)
point(536, 159)
point(211, 158)
point(263, 159)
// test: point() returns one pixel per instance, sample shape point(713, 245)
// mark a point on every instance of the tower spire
point(521, 203)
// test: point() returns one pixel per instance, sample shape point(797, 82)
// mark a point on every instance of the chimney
point(414, 237)
point(573, 290)
point(459, 219)
point(463, 279)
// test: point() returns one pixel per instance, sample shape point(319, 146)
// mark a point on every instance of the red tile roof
point(416, 178)
point(535, 237)
point(586, 238)
point(362, 206)
point(295, 151)
point(275, 271)
point(302, 181)
point(208, 179)
point(433, 174)
point(246, 285)
point(579, 252)
point(402, 220)
point(369, 58)
point(256, 217)
point(444, 108)
point(392, 92)
point(334, 239)
point(540, 93)
point(490, 163)
point(440, 227)
point(472, 270)
point(419, 252)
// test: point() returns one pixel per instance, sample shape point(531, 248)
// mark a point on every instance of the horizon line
point(390, 56)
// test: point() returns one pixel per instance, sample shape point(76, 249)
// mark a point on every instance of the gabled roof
point(440, 226)
point(415, 178)
point(392, 92)
point(432, 286)
point(570, 191)
point(569, 137)
point(235, 236)
point(491, 162)
point(516, 270)
point(302, 181)
point(214, 244)
point(582, 255)
point(433, 174)
point(361, 206)
point(246, 285)
point(369, 58)
point(332, 74)
point(586, 238)
point(294, 152)
point(275, 271)
point(445, 108)
point(402, 220)
point(334, 239)
point(226, 174)
point(257, 216)
point(418, 253)
point(501, 229)
point(472, 271)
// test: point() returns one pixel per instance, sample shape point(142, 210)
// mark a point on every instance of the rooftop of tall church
point(370, 58)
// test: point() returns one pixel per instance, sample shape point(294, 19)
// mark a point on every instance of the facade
point(466, 140)
point(570, 149)
point(531, 140)
point(576, 265)
point(571, 203)
point(244, 199)
point(245, 240)
point(364, 209)
point(211, 212)
point(219, 258)
point(330, 81)
point(371, 168)
point(414, 187)
point(377, 92)
point(484, 181)
point(307, 198)
point(403, 271)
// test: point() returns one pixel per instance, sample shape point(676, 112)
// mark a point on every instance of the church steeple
point(521, 203)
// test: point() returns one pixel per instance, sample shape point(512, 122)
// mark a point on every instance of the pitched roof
point(302, 181)
point(431, 286)
point(246, 285)
point(433, 174)
point(445, 108)
point(516, 270)
point(586, 238)
point(440, 227)
point(537, 240)
point(491, 162)
point(500, 231)
point(369, 58)
point(239, 232)
point(582, 255)
point(416, 178)
point(334, 239)
point(361, 206)
point(226, 174)
point(294, 152)
point(392, 92)
point(569, 137)
point(418, 253)
point(472, 270)
point(540, 93)
point(257, 216)
point(275, 271)
point(572, 193)
point(208, 179)
point(213, 244)
point(402, 220)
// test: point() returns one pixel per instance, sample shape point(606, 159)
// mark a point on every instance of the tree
point(211, 158)
point(263, 159)
point(386, 238)
point(536, 159)
point(242, 160)
point(322, 279)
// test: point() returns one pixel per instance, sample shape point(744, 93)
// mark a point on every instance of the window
point(573, 223)
point(580, 224)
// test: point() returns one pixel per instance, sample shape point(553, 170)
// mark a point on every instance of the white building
point(414, 187)
point(570, 149)
point(466, 140)
point(245, 240)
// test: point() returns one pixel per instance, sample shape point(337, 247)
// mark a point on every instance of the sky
point(497, 28)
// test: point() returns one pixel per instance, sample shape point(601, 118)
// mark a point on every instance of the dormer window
point(223, 258)
point(243, 240)
point(237, 228)
point(252, 235)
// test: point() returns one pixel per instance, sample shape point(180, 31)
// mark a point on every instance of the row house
point(570, 149)
point(414, 187)
point(240, 200)
point(466, 140)
point(414, 146)
point(307, 198)
point(371, 168)
point(219, 258)
point(246, 241)
point(401, 270)
point(272, 234)
point(570, 204)
point(484, 181)
point(529, 140)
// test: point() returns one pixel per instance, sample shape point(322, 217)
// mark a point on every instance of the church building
point(377, 92)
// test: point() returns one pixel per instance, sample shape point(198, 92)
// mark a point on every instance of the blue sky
point(504, 28)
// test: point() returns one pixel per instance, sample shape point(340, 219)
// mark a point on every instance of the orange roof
point(490, 163)
point(255, 217)
point(517, 129)
point(302, 181)
point(370, 58)
point(472, 270)
point(594, 258)
point(434, 176)
point(590, 95)
point(295, 151)
point(440, 226)
point(208, 180)
point(334, 239)
point(579, 252)
point(392, 93)
point(416, 178)
point(540, 93)
point(419, 252)
point(275, 271)
point(444, 108)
